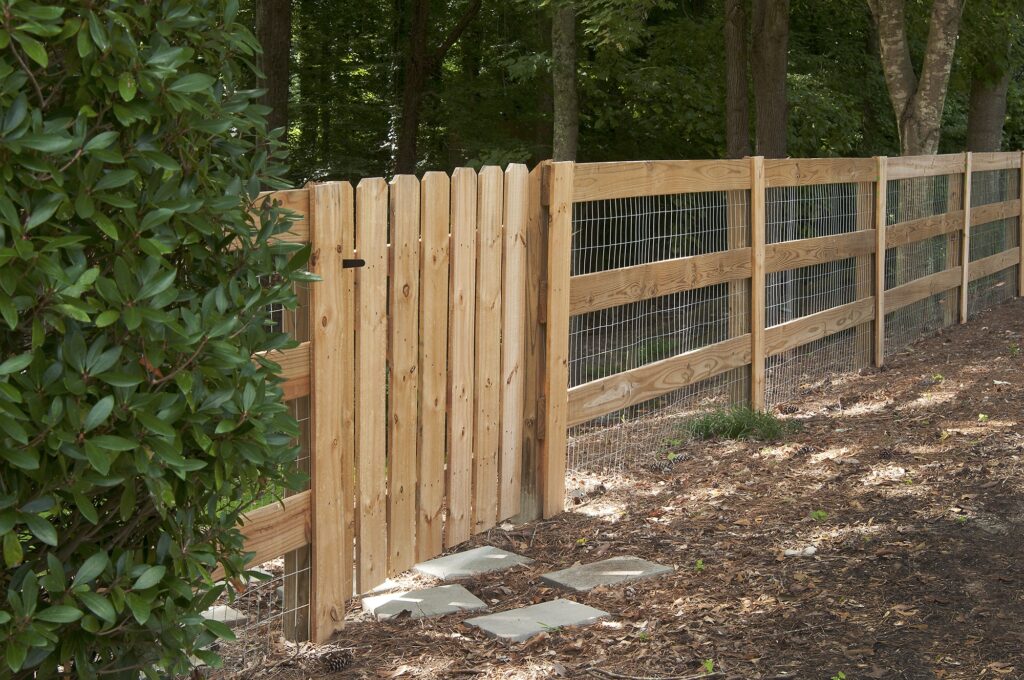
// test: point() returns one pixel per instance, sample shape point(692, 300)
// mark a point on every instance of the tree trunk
point(274, 32)
point(987, 113)
point(770, 45)
point(917, 103)
point(413, 83)
point(563, 78)
point(737, 114)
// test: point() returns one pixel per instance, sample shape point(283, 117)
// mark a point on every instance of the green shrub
point(738, 422)
point(134, 285)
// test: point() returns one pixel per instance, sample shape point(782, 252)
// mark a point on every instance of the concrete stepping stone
point(519, 625)
point(229, 616)
point(426, 603)
point(583, 577)
point(470, 563)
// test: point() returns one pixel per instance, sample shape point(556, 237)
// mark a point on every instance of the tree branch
point(454, 34)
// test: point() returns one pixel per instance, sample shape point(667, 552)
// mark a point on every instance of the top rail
point(906, 167)
point(795, 172)
point(996, 160)
point(598, 181)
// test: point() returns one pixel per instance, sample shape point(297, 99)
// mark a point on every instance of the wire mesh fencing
point(992, 238)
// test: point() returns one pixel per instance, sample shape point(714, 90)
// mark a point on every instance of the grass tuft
point(739, 422)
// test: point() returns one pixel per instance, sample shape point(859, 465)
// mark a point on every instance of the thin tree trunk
point(737, 114)
point(987, 113)
point(274, 32)
point(917, 103)
point(563, 78)
point(770, 46)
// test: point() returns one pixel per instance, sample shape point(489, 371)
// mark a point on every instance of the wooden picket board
point(487, 378)
point(965, 237)
point(435, 196)
point(461, 359)
point(513, 328)
point(371, 381)
point(757, 282)
point(403, 401)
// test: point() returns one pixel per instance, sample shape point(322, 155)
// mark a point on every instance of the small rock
point(801, 552)
point(229, 616)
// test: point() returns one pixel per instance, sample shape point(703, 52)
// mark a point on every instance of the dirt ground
point(907, 481)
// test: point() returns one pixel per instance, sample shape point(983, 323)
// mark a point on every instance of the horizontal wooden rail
point(296, 200)
point(995, 160)
point(597, 181)
point(792, 172)
point(983, 214)
point(906, 167)
point(276, 529)
point(813, 327)
point(919, 289)
point(295, 369)
point(601, 290)
point(911, 231)
point(600, 397)
point(808, 251)
point(992, 264)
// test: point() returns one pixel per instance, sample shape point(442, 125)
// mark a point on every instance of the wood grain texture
point(757, 283)
point(995, 160)
point(902, 233)
point(983, 214)
point(807, 251)
point(595, 181)
point(992, 264)
point(435, 195)
point(794, 172)
point(371, 381)
point(513, 330)
point(331, 571)
point(294, 365)
point(607, 395)
point(919, 289)
point(965, 237)
point(812, 327)
point(487, 377)
point(737, 236)
point(556, 380)
point(296, 200)
point(881, 236)
point(903, 167)
point(531, 495)
point(403, 401)
point(1020, 231)
point(863, 272)
point(614, 287)
point(461, 357)
point(278, 528)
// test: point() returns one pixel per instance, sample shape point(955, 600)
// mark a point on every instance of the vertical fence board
point(487, 411)
point(950, 299)
point(737, 225)
point(881, 187)
point(404, 371)
point(1020, 228)
point(965, 239)
point(371, 383)
point(757, 282)
point(530, 505)
point(556, 382)
point(863, 274)
point(331, 392)
point(512, 331)
point(461, 359)
point(435, 202)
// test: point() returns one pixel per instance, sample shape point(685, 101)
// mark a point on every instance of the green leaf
point(59, 613)
point(154, 425)
point(16, 364)
point(91, 568)
point(33, 48)
point(141, 608)
point(106, 318)
point(113, 443)
point(16, 653)
point(114, 179)
point(126, 87)
point(98, 605)
point(98, 413)
point(219, 629)
point(48, 143)
point(101, 141)
point(12, 550)
point(40, 528)
point(193, 82)
point(149, 578)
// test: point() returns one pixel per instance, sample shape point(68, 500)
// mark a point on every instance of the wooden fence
point(437, 358)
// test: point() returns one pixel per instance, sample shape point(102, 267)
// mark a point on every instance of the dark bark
point(737, 114)
point(987, 113)
point(274, 32)
point(419, 62)
point(769, 51)
point(563, 78)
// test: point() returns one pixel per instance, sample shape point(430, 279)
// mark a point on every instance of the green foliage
point(134, 284)
point(819, 515)
point(739, 422)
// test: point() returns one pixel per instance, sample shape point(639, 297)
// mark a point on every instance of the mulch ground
point(907, 481)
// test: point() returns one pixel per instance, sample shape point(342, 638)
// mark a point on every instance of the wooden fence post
point(1020, 229)
point(535, 235)
point(757, 282)
point(965, 239)
point(881, 188)
point(556, 379)
point(737, 234)
point(331, 404)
